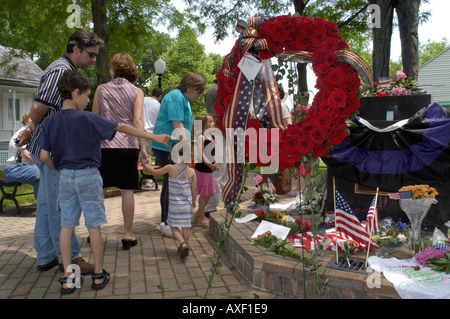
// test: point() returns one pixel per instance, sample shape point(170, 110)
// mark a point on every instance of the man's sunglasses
point(91, 54)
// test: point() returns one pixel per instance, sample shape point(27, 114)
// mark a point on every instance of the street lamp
point(160, 67)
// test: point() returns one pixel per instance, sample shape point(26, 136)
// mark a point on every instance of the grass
point(22, 200)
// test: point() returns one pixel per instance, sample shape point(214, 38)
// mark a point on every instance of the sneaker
point(165, 230)
point(85, 268)
point(48, 266)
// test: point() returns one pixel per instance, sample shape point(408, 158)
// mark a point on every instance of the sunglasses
point(91, 54)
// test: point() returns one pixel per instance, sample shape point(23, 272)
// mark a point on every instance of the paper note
point(245, 219)
point(250, 66)
point(276, 230)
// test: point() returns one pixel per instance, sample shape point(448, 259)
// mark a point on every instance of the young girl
point(204, 169)
point(182, 195)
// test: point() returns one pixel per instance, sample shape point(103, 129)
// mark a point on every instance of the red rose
point(330, 44)
point(336, 136)
point(302, 42)
point(336, 77)
point(318, 135)
point(288, 158)
point(229, 83)
point(258, 195)
point(337, 99)
point(321, 120)
point(304, 145)
point(307, 29)
point(320, 150)
point(353, 82)
point(321, 69)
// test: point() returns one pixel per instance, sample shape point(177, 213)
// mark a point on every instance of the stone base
point(267, 271)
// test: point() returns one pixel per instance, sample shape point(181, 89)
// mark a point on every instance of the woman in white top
point(20, 166)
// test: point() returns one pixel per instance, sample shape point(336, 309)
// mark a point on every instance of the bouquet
point(265, 196)
point(394, 235)
point(400, 84)
point(420, 191)
point(438, 260)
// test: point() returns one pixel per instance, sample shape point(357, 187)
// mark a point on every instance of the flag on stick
point(258, 178)
point(372, 221)
point(348, 224)
point(401, 195)
point(272, 187)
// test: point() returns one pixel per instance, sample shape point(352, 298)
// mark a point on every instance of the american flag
point(348, 225)
point(258, 178)
point(272, 187)
point(401, 195)
point(372, 221)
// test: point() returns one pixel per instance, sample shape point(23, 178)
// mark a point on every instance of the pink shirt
point(116, 102)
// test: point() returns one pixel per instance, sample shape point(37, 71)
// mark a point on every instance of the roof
point(19, 68)
point(434, 58)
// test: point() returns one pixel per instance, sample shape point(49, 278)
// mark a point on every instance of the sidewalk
point(151, 270)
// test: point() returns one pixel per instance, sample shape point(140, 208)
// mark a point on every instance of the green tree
point(184, 56)
point(430, 49)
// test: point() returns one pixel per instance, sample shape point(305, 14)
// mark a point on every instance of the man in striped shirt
point(81, 52)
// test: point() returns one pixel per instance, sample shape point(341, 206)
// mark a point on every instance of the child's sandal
point(67, 291)
point(104, 275)
point(183, 251)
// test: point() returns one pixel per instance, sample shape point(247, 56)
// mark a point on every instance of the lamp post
point(160, 67)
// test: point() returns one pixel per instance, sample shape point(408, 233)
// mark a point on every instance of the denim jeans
point(162, 158)
point(22, 173)
point(81, 191)
point(48, 225)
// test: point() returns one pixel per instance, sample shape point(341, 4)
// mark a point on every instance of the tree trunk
point(100, 28)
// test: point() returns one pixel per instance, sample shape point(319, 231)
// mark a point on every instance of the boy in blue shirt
point(70, 143)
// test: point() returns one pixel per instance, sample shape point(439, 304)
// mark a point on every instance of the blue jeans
point(81, 191)
point(162, 158)
point(22, 173)
point(48, 225)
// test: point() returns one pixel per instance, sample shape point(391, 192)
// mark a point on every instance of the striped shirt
point(48, 95)
point(116, 100)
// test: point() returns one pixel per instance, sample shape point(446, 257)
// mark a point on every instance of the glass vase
point(416, 210)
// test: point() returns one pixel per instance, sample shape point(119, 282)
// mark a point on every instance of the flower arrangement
point(393, 236)
point(324, 124)
point(296, 224)
point(438, 260)
point(265, 196)
point(400, 84)
point(420, 191)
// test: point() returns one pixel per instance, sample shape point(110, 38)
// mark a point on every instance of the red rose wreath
point(315, 40)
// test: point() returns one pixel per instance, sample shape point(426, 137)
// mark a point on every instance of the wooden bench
point(145, 176)
point(10, 196)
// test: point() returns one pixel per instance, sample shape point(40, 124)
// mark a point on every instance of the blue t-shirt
point(174, 107)
point(73, 138)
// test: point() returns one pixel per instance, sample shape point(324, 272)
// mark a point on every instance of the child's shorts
point(81, 190)
point(205, 183)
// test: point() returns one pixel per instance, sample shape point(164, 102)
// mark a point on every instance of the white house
point(434, 77)
point(19, 81)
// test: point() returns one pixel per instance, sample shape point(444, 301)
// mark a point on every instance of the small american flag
point(258, 178)
point(349, 225)
point(401, 195)
point(272, 187)
point(372, 221)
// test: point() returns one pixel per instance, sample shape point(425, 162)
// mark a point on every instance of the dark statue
point(408, 22)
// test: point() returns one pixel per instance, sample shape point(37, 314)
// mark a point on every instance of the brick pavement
point(151, 270)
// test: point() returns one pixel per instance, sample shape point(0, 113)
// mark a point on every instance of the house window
point(14, 111)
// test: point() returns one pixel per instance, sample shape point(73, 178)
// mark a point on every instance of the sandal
point(127, 243)
point(104, 275)
point(68, 291)
point(183, 251)
point(204, 223)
